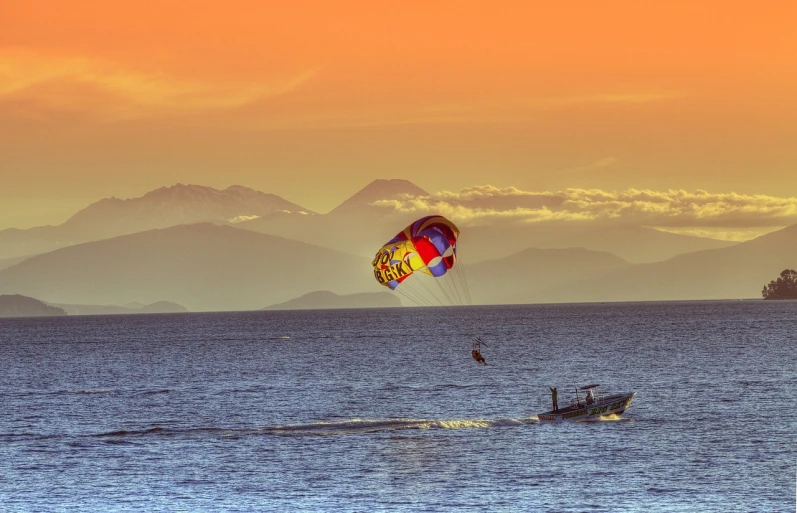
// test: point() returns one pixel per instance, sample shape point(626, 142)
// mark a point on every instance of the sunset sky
point(313, 100)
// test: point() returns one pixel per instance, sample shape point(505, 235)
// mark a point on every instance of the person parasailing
point(476, 352)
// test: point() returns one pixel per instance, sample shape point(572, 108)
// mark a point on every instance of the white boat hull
point(612, 405)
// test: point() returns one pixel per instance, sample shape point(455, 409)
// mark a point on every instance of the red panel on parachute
point(426, 250)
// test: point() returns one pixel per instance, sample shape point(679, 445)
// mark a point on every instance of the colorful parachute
point(429, 245)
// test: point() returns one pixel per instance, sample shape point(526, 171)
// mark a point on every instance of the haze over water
point(384, 410)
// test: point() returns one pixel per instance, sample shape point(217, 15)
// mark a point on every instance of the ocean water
point(384, 410)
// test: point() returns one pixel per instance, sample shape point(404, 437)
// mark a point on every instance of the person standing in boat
point(554, 397)
point(590, 397)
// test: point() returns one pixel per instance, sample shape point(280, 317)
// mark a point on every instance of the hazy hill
point(161, 208)
point(635, 244)
point(10, 262)
point(329, 300)
point(159, 307)
point(525, 276)
point(18, 243)
point(739, 271)
point(20, 306)
point(203, 266)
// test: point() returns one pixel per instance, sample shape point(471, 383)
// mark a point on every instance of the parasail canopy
point(429, 245)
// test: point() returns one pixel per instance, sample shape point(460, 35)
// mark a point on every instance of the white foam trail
point(354, 426)
point(612, 417)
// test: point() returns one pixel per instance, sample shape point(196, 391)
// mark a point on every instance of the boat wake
point(612, 417)
point(340, 428)
point(361, 426)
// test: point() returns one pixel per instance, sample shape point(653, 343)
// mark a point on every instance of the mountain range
point(210, 267)
point(736, 272)
point(201, 266)
point(522, 277)
point(326, 300)
point(636, 244)
point(161, 208)
point(356, 226)
point(16, 305)
point(131, 308)
point(237, 248)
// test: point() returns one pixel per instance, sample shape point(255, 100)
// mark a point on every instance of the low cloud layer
point(673, 208)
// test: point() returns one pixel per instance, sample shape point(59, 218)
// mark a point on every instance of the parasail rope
point(407, 296)
point(462, 285)
point(464, 277)
point(413, 294)
point(439, 283)
point(458, 285)
point(452, 285)
point(429, 291)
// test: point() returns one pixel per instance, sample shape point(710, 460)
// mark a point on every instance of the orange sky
point(312, 100)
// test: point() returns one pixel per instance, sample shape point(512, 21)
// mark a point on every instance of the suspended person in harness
point(476, 353)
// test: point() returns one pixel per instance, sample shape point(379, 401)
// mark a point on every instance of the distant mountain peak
point(394, 186)
point(179, 188)
point(380, 189)
point(240, 188)
point(174, 205)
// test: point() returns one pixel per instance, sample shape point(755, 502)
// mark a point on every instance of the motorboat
point(590, 405)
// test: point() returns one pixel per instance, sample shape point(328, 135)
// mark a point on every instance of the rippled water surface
point(384, 410)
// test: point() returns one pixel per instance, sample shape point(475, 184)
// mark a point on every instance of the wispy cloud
point(106, 89)
point(672, 208)
point(731, 234)
point(242, 219)
point(626, 97)
point(510, 110)
point(35, 84)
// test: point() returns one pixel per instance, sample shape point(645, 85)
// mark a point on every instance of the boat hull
point(611, 405)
